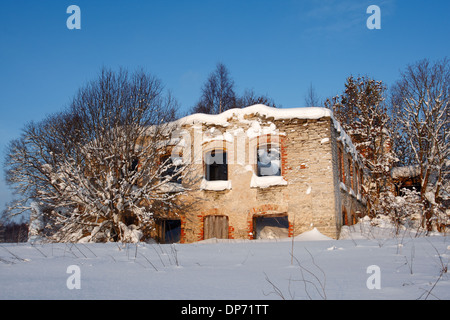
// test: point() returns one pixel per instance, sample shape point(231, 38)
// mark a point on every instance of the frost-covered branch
point(96, 170)
point(421, 99)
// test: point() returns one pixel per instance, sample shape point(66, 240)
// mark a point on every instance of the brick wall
point(309, 165)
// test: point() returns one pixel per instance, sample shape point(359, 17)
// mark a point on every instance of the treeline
point(218, 94)
point(405, 125)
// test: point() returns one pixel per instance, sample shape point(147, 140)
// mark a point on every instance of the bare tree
point(362, 112)
point(311, 98)
point(421, 103)
point(97, 169)
point(217, 93)
point(250, 98)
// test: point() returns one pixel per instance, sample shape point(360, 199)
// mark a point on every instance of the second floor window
point(170, 170)
point(269, 160)
point(216, 167)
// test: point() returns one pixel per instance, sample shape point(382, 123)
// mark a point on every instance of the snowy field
point(369, 263)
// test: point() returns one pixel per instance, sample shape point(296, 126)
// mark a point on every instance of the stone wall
point(348, 178)
point(310, 194)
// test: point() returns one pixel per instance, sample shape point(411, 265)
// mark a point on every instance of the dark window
point(412, 187)
point(341, 165)
point(170, 231)
point(269, 161)
point(170, 170)
point(350, 173)
point(344, 217)
point(216, 167)
point(134, 165)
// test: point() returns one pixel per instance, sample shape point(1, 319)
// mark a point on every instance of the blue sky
point(276, 48)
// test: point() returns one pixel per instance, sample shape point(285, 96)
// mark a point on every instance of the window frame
point(207, 166)
point(177, 179)
point(341, 165)
point(268, 146)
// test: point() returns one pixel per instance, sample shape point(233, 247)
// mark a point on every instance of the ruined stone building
point(262, 172)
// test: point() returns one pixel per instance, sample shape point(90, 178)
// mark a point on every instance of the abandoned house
point(262, 172)
point(259, 173)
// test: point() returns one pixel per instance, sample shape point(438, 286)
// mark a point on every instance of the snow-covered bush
point(403, 211)
point(100, 160)
point(421, 108)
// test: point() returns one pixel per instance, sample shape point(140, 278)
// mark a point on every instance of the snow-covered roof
point(405, 172)
point(413, 171)
point(258, 109)
point(261, 110)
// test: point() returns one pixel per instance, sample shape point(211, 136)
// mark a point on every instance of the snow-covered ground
point(369, 263)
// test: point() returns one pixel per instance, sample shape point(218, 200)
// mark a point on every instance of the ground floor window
point(169, 231)
point(270, 226)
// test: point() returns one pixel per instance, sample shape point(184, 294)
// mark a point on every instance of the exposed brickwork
point(182, 231)
point(311, 196)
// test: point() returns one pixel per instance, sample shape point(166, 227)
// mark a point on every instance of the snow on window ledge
point(267, 181)
point(218, 185)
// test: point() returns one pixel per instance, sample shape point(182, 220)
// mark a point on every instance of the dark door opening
point(270, 227)
point(170, 231)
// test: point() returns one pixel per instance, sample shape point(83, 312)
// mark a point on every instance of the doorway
point(169, 231)
point(215, 226)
